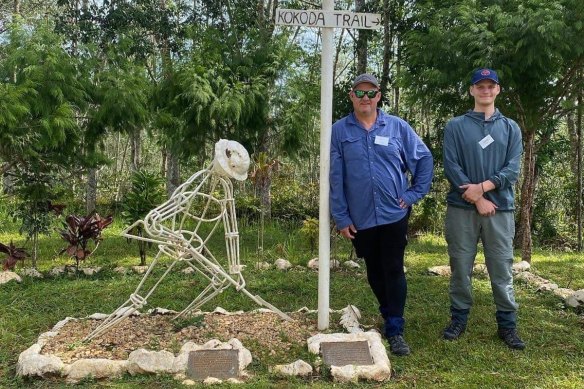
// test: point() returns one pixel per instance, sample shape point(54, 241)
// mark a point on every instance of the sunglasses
point(361, 93)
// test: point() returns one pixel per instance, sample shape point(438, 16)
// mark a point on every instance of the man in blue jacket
point(482, 154)
point(371, 195)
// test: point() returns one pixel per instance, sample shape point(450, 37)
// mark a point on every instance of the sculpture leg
point(133, 304)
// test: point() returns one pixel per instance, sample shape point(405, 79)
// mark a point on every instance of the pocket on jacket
point(352, 149)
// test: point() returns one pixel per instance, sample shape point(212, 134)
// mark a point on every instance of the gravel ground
point(265, 334)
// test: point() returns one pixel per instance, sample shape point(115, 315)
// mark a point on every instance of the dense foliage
point(92, 92)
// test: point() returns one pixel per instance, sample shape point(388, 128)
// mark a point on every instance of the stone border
point(572, 298)
point(31, 363)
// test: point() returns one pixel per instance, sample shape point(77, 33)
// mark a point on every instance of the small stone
point(576, 299)
point(440, 270)
point(139, 269)
point(7, 276)
point(351, 265)
point(31, 272)
point(282, 264)
point(262, 266)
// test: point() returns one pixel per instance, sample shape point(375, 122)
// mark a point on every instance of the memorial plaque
point(346, 353)
point(220, 364)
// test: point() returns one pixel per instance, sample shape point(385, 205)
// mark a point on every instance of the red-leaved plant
point(80, 231)
point(14, 253)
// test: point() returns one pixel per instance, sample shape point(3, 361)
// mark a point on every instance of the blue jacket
point(467, 162)
point(369, 171)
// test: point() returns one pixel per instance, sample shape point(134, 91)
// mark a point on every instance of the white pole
point(326, 113)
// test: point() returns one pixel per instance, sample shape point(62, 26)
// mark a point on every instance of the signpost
point(327, 19)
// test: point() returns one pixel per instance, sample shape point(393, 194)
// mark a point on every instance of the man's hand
point(485, 207)
point(348, 232)
point(403, 204)
point(472, 192)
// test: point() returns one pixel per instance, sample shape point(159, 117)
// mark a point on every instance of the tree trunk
point(263, 186)
point(396, 90)
point(136, 152)
point(91, 190)
point(523, 233)
point(361, 43)
point(172, 174)
point(387, 54)
point(164, 160)
point(8, 182)
point(579, 167)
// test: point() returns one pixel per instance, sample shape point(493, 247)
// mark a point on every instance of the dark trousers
point(383, 248)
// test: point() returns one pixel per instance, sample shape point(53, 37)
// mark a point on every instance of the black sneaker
point(511, 338)
point(454, 330)
point(398, 345)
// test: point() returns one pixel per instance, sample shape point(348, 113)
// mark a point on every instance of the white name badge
point(487, 140)
point(381, 140)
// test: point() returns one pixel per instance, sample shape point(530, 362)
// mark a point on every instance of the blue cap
point(484, 74)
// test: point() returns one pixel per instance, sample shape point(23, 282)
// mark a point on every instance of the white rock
point(282, 264)
point(98, 316)
point(7, 276)
point(144, 361)
point(120, 270)
point(212, 381)
point(57, 271)
point(188, 270)
point(243, 353)
point(547, 286)
point(563, 293)
point(44, 338)
point(139, 269)
point(351, 265)
point(440, 270)
point(262, 266)
point(297, 368)
point(350, 319)
point(57, 327)
point(96, 368)
point(313, 264)
point(31, 363)
point(220, 311)
point(125, 310)
point(521, 266)
point(480, 268)
point(161, 311)
point(89, 271)
point(31, 272)
point(576, 299)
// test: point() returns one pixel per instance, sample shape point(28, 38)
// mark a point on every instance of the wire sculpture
point(205, 198)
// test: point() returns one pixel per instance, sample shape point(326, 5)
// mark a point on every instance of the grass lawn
point(554, 357)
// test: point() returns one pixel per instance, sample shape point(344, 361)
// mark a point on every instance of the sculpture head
point(231, 159)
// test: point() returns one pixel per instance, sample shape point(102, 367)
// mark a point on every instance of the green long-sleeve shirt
point(476, 150)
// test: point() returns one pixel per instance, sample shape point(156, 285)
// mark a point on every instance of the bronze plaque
point(346, 353)
point(220, 364)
